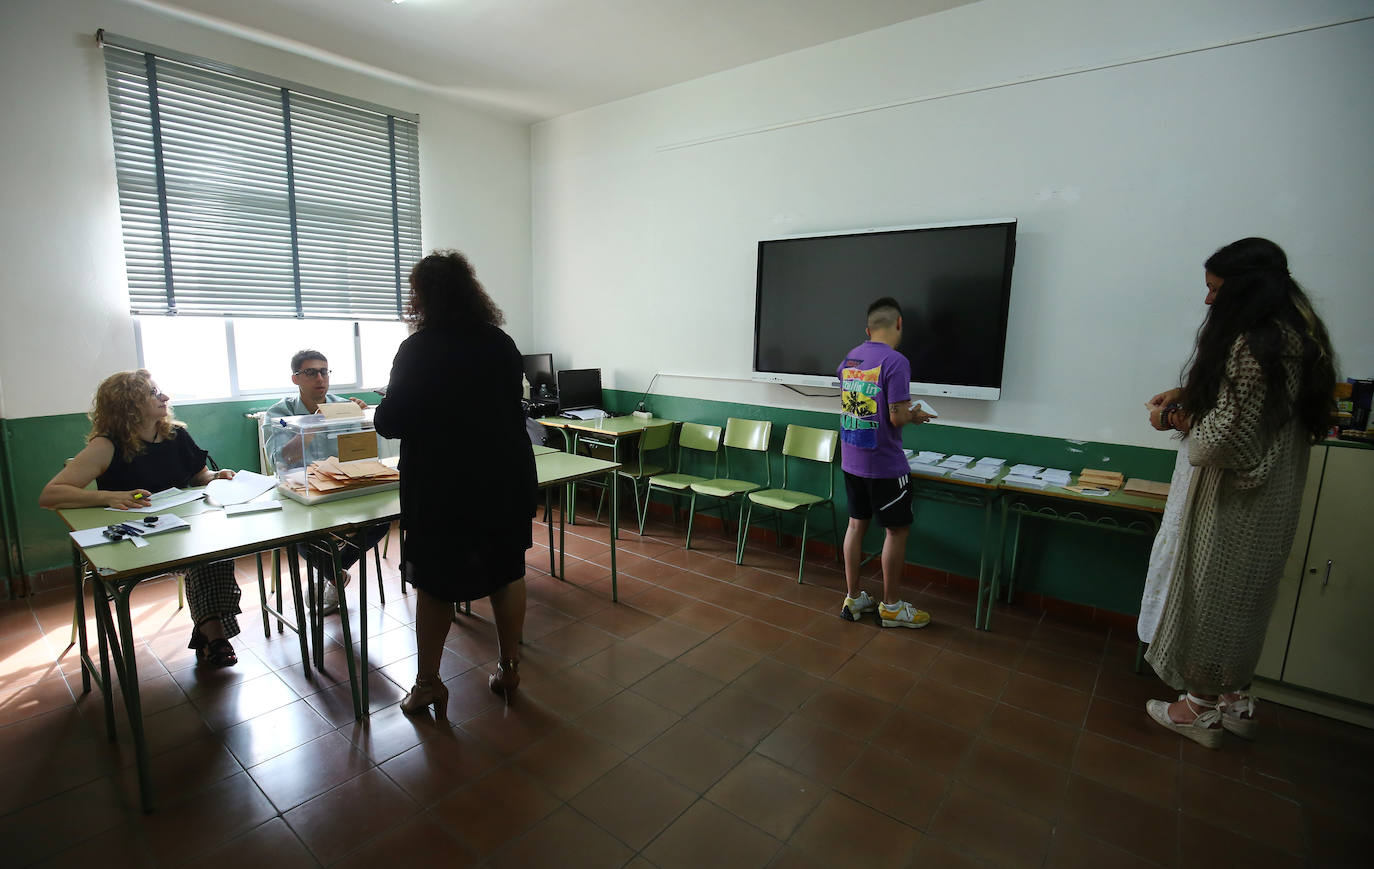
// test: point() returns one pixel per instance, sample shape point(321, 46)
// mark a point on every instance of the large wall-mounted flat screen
point(953, 282)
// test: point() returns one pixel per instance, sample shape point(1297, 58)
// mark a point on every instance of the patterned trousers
point(213, 592)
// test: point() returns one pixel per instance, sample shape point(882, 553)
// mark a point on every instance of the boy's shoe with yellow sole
point(902, 615)
point(854, 607)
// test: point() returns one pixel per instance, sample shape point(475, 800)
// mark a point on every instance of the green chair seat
point(681, 482)
point(724, 488)
point(639, 470)
point(785, 499)
point(807, 445)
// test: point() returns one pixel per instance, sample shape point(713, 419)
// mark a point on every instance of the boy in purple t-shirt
point(876, 383)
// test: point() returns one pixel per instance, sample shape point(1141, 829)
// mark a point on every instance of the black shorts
point(889, 498)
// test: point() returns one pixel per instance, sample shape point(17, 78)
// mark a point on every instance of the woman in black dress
point(136, 448)
point(468, 486)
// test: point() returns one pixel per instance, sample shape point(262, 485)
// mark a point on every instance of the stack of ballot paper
point(331, 475)
point(979, 473)
point(1101, 479)
point(1055, 476)
point(1024, 481)
point(990, 462)
point(1025, 470)
point(928, 469)
point(956, 462)
point(926, 457)
point(1146, 488)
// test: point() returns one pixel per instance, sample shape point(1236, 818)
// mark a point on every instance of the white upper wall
point(64, 321)
point(1174, 132)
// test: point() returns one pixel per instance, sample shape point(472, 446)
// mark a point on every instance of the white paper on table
point(164, 500)
point(1025, 470)
point(1025, 481)
point(96, 536)
point(990, 463)
point(927, 457)
point(979, 473)
point(956, 461)
point(245, 486)
point(1055, 476)
point(927, 470)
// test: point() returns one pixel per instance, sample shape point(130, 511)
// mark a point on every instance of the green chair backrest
point(696, 436)
point(750, 435)
point(654, 437)
point(747, 434)
point(812, 445)
point(702, 439)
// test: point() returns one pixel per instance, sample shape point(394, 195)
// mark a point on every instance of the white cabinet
point(1321, 636)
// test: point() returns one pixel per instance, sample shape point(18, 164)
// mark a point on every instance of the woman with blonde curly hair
point(136, 448)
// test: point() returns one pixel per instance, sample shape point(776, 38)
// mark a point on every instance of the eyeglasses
point(155, 392)
point(314, 372)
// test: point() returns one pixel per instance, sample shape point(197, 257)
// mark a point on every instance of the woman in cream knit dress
point(1256, 395)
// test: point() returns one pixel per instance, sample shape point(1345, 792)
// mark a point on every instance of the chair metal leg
point(691, 517)
point(643, 513)
point(801, 568)
point(262, 598)
point(744, 532)
point(381, 591)
point(739, 529)
point(640, 513)
point(181, 590)
point(276, 591)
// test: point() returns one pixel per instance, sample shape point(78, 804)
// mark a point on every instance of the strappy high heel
point(1205, 728)
point(427, 692)
point(1238, 716)
point(506, 678)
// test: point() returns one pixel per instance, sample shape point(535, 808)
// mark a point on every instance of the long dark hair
point(1259, 301)
point(445, 292)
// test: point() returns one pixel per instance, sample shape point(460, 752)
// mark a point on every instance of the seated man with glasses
point(310, 373)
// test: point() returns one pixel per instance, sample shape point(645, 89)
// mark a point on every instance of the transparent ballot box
point(318, 458)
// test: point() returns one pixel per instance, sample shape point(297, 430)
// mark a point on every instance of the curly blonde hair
point(117, 411)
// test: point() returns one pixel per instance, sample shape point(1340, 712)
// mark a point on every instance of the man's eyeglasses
point(314, 372)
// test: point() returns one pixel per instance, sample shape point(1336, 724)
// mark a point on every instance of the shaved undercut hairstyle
point(884, 313)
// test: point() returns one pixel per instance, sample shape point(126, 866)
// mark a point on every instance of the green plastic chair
point(699, 441)
point(748, 435)
point(807, 445)
point(642, 467)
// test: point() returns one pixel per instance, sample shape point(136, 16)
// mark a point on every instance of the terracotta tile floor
point(682, 727)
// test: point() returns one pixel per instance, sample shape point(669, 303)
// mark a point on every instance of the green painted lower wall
point(1090, 567)
point(37, 446)
point(1087, 566)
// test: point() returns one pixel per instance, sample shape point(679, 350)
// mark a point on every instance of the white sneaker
point(902, 615)
point(856, 606)
point(329, 599)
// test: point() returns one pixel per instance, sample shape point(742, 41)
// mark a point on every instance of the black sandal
point(198, 644)
point(219, 654)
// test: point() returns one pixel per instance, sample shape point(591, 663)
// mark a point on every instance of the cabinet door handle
point(1327, 578)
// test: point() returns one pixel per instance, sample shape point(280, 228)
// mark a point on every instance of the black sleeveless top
point(170, 463)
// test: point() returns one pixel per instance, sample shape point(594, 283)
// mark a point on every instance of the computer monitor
point(579, 388)
point(539, 372)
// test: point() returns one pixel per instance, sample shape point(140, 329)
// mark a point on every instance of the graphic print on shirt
point(859, 405)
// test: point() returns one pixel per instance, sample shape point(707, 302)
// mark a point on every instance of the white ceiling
point(537, 59)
